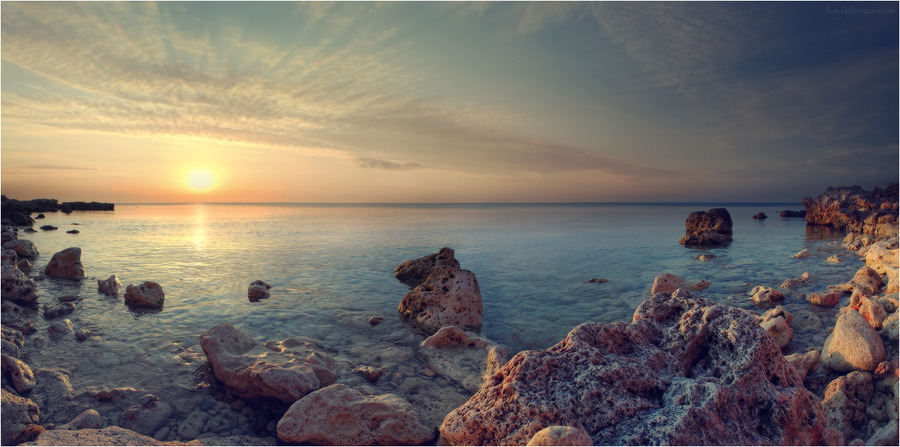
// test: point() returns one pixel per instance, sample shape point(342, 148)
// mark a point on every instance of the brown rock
point(66, 264)
point(23, 248)
point(258, 290)
point(803, 279)
point(111, 435)
point(285, 370)
point(806, 363)
point(147, 294)
point(854, 209)
point(462, 356)
point(19, 374)
point(826, 300)
point(802, 254)
point(559, 435)
point(339, 415)
point(16, 286)
point(711, 227)
point(669, 283)
point(414, 272)
point(448, 297)
point(872, 310)
point(867, 280)
point(146, 415)
point(684, 372)
point(776, 323)
point(845, 402)
point(18, 414)
point(89, 418)
point(766, 296)
point(109, 286)
point(853, 345)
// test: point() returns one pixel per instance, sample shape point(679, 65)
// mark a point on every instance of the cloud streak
point(372, 163)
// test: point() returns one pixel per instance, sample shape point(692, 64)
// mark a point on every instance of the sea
point(331, 269)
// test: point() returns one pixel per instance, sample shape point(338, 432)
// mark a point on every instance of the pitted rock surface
point(685, 371)
point(414, 271)
point(449, 296)
point(711, 227)
point(66, 264)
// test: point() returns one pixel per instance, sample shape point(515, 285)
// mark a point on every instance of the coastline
point(123, 403)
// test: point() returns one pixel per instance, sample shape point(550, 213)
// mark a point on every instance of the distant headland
point(17, 212)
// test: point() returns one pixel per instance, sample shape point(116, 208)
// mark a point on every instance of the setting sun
point(201, 180)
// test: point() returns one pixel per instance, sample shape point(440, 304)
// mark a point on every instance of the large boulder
point(686, 371)
point(66, 264)
point(286, 370)
point(339, 415)
point(711, 227)
point(18, 413)
point(449, 296)
point(855, 209)
point(147, 294)
point(23, 247)
point(414, 271)
point(853, 344)
point(16, 286)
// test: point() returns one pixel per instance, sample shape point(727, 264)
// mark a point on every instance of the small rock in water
point(146, 415)
point(147, 294)
point(60, 329)
point(597, 281)
point(374, 321)
point(72, 231)
point(51, 312)
point(370, 373)
point(760, 216)
point(66, 264)
point(67, 298)
point(825, 300)
point(109, 286)
point(668, 282)
point(48, 228)
point(803, 279)
point(834, 258)
point(766, 296)
point(83, 334)
point(705, 258)
point(802, 254)
point(258, 290)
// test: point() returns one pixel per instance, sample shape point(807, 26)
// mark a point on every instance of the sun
point(201, 180)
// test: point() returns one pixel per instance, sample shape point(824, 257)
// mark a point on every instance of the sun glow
point(201, 180)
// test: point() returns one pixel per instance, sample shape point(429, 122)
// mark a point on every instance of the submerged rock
point(109, 286)
point(760, 216)
point(766, 296)
point(258, 290)
point(853, 345)
point(147, 294)
point(415, 271)
point(66, 264)
point(668, 282)
point(713, 227)
point(146, 415)
point(339, 415)
point(449, 296)
point(803, 279)
point(686, 371)
point(285, 370)
point(462, 356)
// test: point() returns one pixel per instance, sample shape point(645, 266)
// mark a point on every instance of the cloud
point(60, 168)
point(371, 163)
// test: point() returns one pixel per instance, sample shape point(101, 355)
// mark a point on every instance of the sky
point(446, 102)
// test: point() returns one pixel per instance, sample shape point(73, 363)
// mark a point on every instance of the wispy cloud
point(59, 168)
point(371, 163)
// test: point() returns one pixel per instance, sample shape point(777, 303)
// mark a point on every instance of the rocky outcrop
point(18, 414)
point(668, 282)
point(685, 371)
point(449, 296)
point(109, 286)
point(286, 370)
point(147, 294)
point(339, 415)
point(258, 290)
point(711, 227)
point(66, 264)
point(790, 214)
point(855, 209)
point(16, 286)
point(18, 373)
point(760, 216)
point(853, 345)
point(23, 248)
point(415, 271)
point(845, 402)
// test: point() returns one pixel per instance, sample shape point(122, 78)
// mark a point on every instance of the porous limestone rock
point(766, 296)
point(339, 415)
point(805, 278)
point(854, 209)
point(13, 340)
point(285, 370)
point(111, 435)
point(560, 435)
point(23, 248)
point(880, 256)
point(805, 363)
point(845, 402)
point(147, 294)
point(777, 322)
point(18, 373)
point(66, 264)
point(18, 414)
point(686, 371)
point(872, 310)
point(853, 345)
point(668, 282)
point(802, 254)
point(89, 418)
point(146, 415)
point(462, 356)
point(448, 296)
point(109, 286)
point(415, 271)
point(886, 435)
point(834, 258)
point(16, 286)
point(866, 280)
point(713, 227)
point(825, 299)
point(891, 327)
point(258, 290)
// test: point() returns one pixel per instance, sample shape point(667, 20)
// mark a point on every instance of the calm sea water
point(331, 269)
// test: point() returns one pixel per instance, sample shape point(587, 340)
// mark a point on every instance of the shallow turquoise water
point(331, 267)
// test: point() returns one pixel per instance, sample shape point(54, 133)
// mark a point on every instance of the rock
point(83, 334)
point(13, 340)
point(147, 294)
point(448, 296)
point(890, 327)
point(67, 298)
point(415, 271)
point(89, 418)
point(668, 282)
point(766, 296)
point(66, 264)
point(776, 323)
point(845, 402)
point(48, 227)
point(339, 415)
point(706, 258)
point(111, 435)
point(854, 209)
point(678, 375)
point(803, 279)
point(16, 286)
point(60, 329)
point(376, 320)
point(873, 311)
point(806, 363)
point(23, 248)
point(826, 300)
point(73, 232)
point(867, 280)
point(708, 228)
point(18, 414)
point(109, 286)
point(760, 216)
point(853, 345)
point(28, 435)
point(802, 254)
point(18, 373)
point(192, 425)
point(460, 355)
point(833, 258)
point(370, 373)
point(789, 213)
point(146, 415)
point(286, 370)
point(597, 281)
point(18, 219)
point(886, 435)
point(559, 435)
point(881, 256)
point(58, 310)
point(258, 290)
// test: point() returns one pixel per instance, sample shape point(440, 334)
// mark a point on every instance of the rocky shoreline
point(685, 370)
